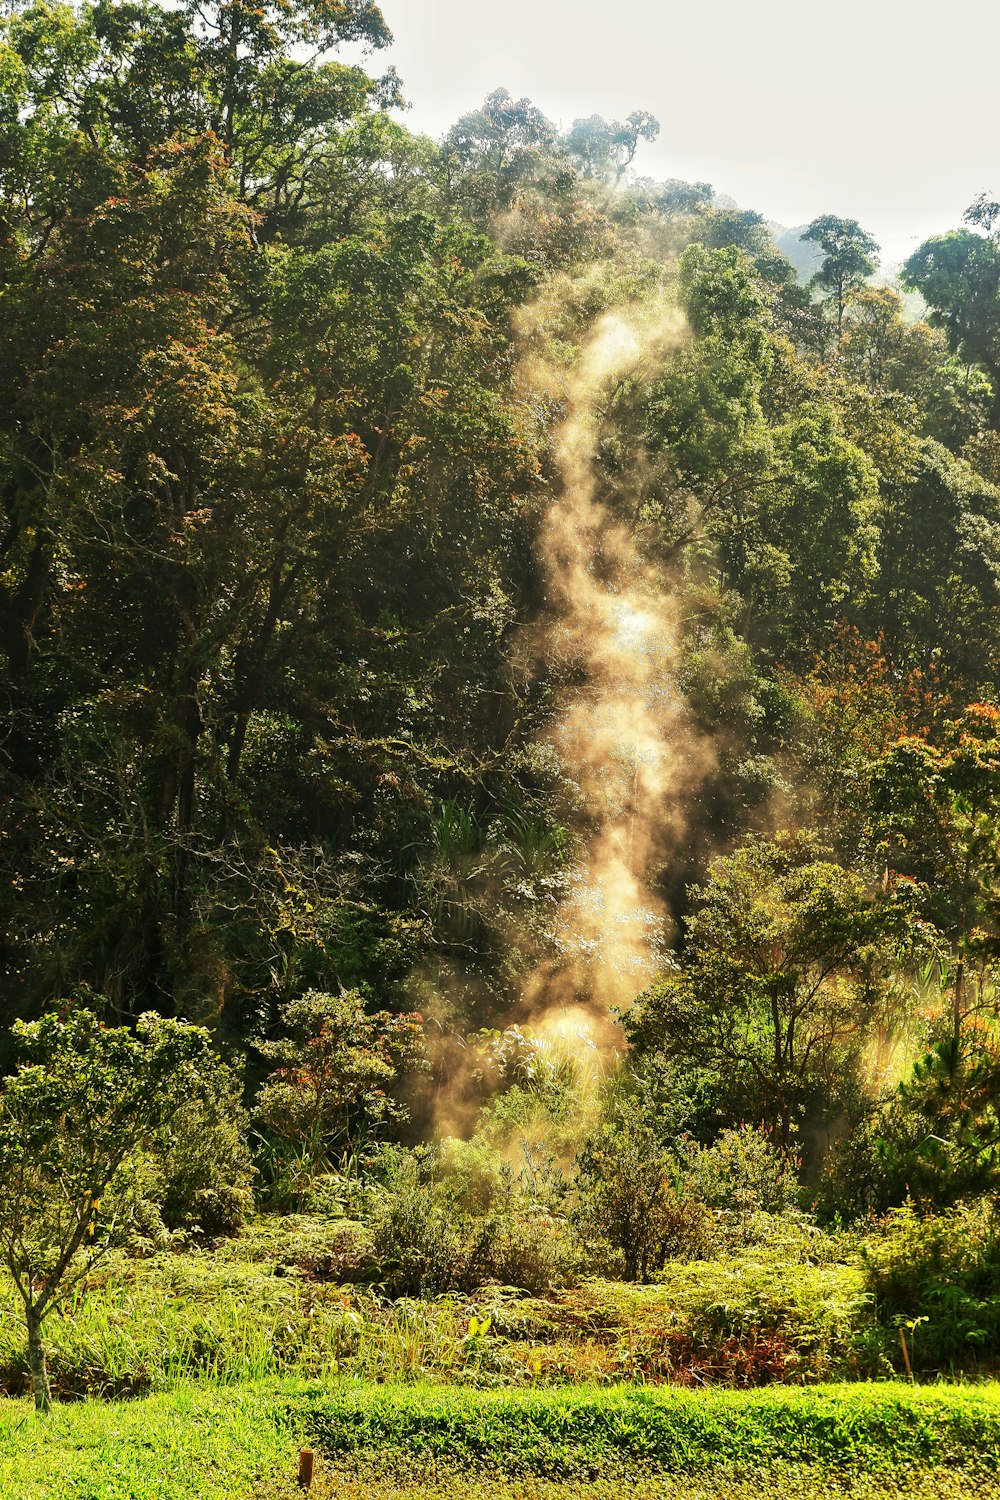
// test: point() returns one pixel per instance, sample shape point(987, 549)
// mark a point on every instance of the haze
point(883, 111)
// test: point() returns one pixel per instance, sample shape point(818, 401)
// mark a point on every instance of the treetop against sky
point(879, 110)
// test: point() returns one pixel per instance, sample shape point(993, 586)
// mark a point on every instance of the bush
point(937, 1277)
point(751, 1186)
point(534, 1252)
point(332, 1086)
point(862, 1174)
point(416, 1248)
point(472, 1175)
point(546, 1091)
point(634, 1210)
point(628, 1436)
point(453, 1220)
point(935, 1139)
point(204, 1174)
point(744, 1171)
point(753, 1318)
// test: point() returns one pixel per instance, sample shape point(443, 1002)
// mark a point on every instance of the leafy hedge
point(593, 1433)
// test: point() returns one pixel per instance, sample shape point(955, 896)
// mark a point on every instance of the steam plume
point(623, 732)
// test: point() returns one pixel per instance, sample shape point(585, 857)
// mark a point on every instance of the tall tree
point(958, 276)
point(605, 149)
point(214, 450)
point(849, 258)
point(936, 817)
point(499, 150)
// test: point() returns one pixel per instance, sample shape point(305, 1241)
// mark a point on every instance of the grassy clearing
point(430, 1443)
point(239, 1356)
point(201, 1443)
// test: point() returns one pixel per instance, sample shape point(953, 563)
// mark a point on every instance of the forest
point(499, 751)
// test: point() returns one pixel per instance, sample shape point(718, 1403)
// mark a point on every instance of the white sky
point(886, 111)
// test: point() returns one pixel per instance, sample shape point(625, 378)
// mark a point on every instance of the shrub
point(534, 1252)
point(416, 1248)
point(937, 1277)
point(718, 1441)
point(546, 1090)
point(753, 1318)
point(751, 1186)
point(471, 1174)
point(204, 1173)
point(452, 1220)
point(331, 1088)
point(633, 1203)
point(862, 1174)
point(935, 1139)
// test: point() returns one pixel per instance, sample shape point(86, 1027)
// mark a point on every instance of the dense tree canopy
point(296, 658)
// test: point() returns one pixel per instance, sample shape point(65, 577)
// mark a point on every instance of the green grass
point(202, 1443)
point(434, 1443)
point(239, 1356)
point(790, 1483)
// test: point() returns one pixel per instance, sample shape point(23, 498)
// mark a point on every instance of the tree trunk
point(36, 1362)
point(19, 611)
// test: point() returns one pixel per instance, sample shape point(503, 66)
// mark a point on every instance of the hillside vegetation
point(499, 790)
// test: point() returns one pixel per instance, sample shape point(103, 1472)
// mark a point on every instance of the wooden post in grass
point(307, 1464)
point(906, 1353)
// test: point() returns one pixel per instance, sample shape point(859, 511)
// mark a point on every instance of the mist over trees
point(279, 657)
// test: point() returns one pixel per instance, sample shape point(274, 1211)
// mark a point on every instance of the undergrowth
point(278, 1301)
point(270, 1304)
